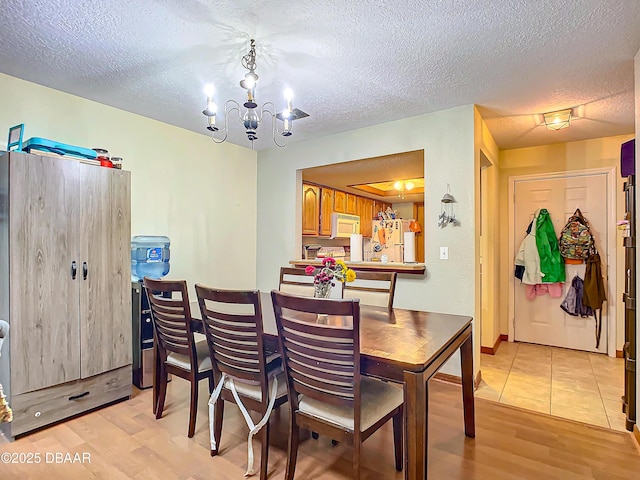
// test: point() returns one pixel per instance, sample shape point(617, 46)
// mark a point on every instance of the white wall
point(199, 194)
point(447, 138)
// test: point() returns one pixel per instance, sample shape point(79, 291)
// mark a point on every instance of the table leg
point(416, 410)
point(466, 358)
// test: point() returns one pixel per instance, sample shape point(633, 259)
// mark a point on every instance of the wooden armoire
point(65, 287)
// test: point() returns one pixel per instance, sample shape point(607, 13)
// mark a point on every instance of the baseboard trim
point(446, 377)
point(494, 349)
point(456, 380)
point(477, 380)
point(619, 354)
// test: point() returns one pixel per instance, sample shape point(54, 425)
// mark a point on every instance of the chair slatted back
point(295, 281)
point(320, 360)
point(171, 316)
point(372, 288)
point(232, 322)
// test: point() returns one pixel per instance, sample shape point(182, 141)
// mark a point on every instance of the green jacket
point(551, 262)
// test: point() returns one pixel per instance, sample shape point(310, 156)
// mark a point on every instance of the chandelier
point(403, 186)
point(252, 116)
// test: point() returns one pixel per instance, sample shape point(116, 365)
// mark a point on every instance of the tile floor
point(564, 383)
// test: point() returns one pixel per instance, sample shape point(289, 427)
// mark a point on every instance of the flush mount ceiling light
point(252, 117)
point(558, 120)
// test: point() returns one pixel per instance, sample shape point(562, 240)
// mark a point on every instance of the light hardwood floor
point(126, 442)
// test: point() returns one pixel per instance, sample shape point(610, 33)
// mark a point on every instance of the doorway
point(541, 320)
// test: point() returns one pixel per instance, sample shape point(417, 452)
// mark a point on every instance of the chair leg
point(162, 390)
point(211, 384)
point(264, 457)
point(156, 377)
point(294, 437)
point(397, 439)
point(193, 408)
point(357, 443)
point(217, 425)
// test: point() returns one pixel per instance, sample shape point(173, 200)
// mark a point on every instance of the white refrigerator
point(387, 239)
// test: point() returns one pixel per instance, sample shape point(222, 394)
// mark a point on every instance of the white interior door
point(541, 320)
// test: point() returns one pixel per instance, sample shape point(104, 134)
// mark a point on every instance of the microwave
point(343, 225)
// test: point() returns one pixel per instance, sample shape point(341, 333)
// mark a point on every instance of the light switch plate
point(444, 253)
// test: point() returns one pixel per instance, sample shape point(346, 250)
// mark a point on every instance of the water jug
point(149, 256)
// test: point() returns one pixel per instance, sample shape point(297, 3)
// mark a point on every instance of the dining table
point(407, 347)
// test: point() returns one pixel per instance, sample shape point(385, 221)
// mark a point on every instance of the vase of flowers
point(332, 270)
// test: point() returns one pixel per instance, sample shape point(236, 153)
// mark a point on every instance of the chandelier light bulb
point(409, 185)
point(288, 94)
point(249, 82)
point(209, 90)
point(397, 185)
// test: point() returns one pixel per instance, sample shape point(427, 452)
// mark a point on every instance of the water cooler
point(142, 337)
point(149, 258)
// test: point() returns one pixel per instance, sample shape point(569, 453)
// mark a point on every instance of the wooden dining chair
point(245, 372)
point(372, 288)
point(295, 281)
point(327, 394)
point(179, 351)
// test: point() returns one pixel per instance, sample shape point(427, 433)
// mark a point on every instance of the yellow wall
point(486, 164)
point(199, 194)
point(558, 157)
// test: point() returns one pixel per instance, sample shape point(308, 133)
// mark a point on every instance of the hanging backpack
point(576, 238)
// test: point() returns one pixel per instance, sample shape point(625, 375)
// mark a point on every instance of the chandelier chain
point(249, 60)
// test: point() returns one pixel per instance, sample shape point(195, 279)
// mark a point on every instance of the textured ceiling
point(387, 168)
point(350, 63)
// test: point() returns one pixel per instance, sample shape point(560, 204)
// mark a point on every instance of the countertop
point(411, 268)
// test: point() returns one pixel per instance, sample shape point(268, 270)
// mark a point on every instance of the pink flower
point(310, 269)
point(328, 262)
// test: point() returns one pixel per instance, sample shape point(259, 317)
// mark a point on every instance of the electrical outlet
point(444, 253)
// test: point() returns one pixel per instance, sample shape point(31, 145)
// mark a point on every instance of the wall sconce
point(446, 213)
point(558, 120)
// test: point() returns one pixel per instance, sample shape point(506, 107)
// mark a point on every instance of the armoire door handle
point(85, 270)
point(74, 270)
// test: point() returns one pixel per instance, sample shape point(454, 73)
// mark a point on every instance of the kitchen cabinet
point(310, 209)
point(65, 279)
point(318, 203)
point(351, 204)
point(380, 207)
point(326, 209)
point(345, 203)
point(340, 202)
point(365, 211)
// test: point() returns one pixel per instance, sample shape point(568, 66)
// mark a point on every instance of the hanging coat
point(594, 295)
point(551, 262)
point(528, 256)
point(573, 303)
